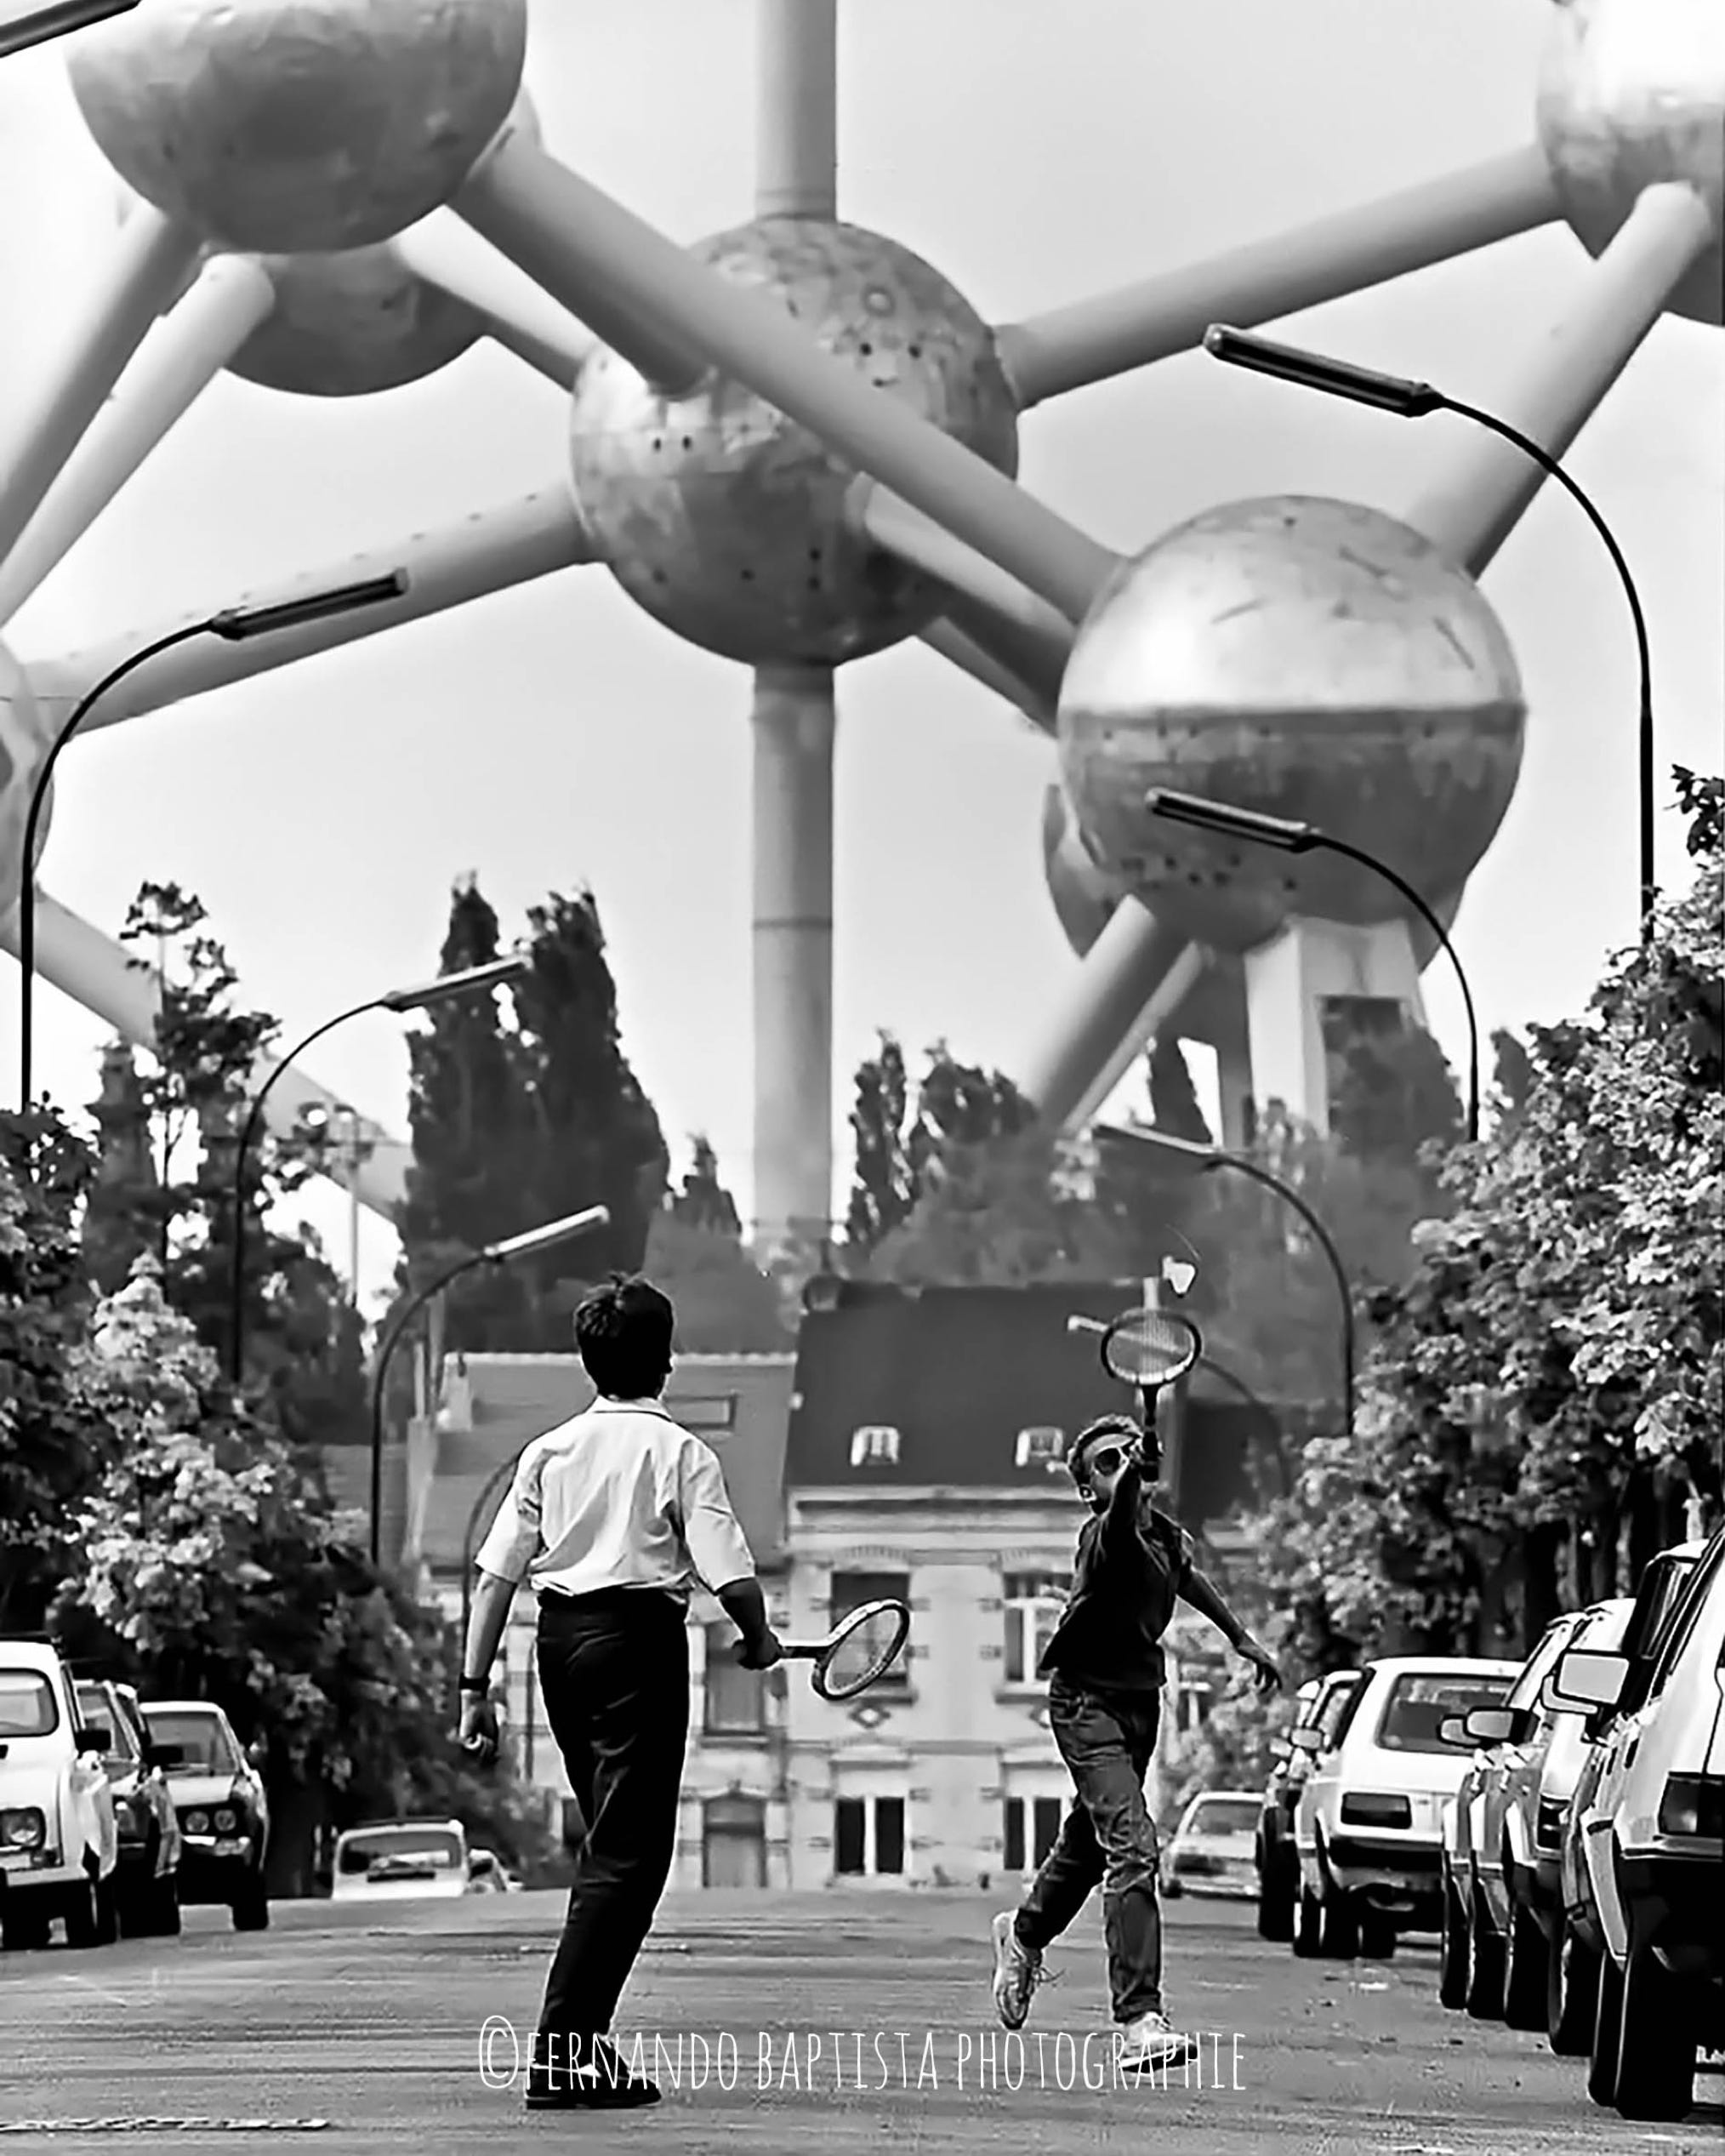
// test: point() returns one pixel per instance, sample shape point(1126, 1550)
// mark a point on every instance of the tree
point(122, 1213)
point(1394, 1095)
point(882, 1194)
point(704, 1202)
point(725, 1303)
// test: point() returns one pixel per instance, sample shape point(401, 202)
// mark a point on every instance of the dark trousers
point(1107, 1839)
point(614, 1671)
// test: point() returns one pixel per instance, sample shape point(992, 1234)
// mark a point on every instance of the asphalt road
point(354, 2029)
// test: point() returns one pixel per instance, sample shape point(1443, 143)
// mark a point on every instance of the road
point(357, 2029)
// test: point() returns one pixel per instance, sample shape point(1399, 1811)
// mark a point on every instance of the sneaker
point(1018, 1970)
point(1150, 2045)
point(600, 2082)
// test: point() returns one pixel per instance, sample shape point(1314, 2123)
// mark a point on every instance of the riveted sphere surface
point(725, 520)
point(289, 126)
point(1306, 658)
point(1083, 893)
point(1632, 93)
point(24, 742)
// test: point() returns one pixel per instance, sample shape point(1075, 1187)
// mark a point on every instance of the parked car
point(1320, 1702)
point(224, 1814)
point(1573, 1987)
point(1368, 1828)
point(1212, 1851)
point(403, 1860)
point(147, 1877)
point(487, 1874)
point(1653, 1841)
point(58, 1841)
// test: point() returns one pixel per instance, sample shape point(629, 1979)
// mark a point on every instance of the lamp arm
point(1287, 1191)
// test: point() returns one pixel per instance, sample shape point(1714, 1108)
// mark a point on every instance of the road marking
point(165, 2126)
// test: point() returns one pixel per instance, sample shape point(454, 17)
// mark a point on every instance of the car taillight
point(1548, 1822)
point(1362, 1810)
point(1694, 1804)
point(22, 1829)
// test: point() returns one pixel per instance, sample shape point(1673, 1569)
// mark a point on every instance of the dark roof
point(740, 1404)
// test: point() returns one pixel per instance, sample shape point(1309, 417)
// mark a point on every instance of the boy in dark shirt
point(1105, 1667)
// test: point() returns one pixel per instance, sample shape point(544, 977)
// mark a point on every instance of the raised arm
point(1201, 1592)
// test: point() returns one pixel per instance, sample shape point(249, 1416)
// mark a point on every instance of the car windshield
point(417, 1846)
point(27, 1706)
point(1417, 1706)
point(97, 1711)
point(203, 1744)
point(1226, 1815)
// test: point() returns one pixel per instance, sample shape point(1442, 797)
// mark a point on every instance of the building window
point(850, 1591)
point(733, 1842)
point(868, 1836)
point(1032, 1829)
point(1032, 1605)
point(735, 1698)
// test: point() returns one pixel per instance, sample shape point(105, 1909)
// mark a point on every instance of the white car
point(59, 1843)
point(1368, 1828)
point(402, 1860)
point(1214, 1849)
point(1653, 1840)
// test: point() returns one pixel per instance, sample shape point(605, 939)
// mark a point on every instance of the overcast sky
point(554, 736)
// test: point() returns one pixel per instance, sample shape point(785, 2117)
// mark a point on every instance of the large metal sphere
point(1631, 92)
point(24, 742)
point(346, 325)
point(723, 518)
point(290, 127)
point(1306, 658)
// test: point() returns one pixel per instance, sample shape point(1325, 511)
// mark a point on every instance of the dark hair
point(1121, 1426)
point(623, 1331)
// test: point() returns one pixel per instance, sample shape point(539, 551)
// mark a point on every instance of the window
point(868, 1836)
point(1042, 1445)
point(1032, 1603)
point(733, 1842)
point(1701, 1583)
point(850, 1591)
point(875, 1444)
point(202, 1741)
point(1418, 1706)
point(27, 1706)
point(1524, 1693)
point(1338, 1712)
point(411, 1849)
point(1225, 1816)
point(735, 1698)
point(1032, 1829)
point(96, 1712)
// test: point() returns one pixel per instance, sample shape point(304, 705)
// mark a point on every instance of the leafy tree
point(725, 1303)
point(122, 1213)
point(1394, 1096)
point(883, 1193)
point(704, 1202)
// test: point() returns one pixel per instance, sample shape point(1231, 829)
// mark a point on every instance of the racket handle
point(1085, 1325)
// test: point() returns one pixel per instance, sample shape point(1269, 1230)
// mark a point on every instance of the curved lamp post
point(469, 981)
point(44, 23)
point(1228, 822)
point(553, 1232)
point(236, 624)
point(1411, 399)
point(1208, 1157)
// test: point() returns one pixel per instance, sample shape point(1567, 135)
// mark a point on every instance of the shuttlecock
point(1178, 1274)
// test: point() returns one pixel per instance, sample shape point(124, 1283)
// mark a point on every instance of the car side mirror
point(95, 1737)
point(258, 1753)
point(475, 1864)
point(1589, 1678)
point(1305, 1740)
point(164, 1756)
point(1488, 1726)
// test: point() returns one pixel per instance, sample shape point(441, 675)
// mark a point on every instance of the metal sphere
point(1306, 658)
point(1632, 93)
point(346, 325)
point(724, 519)
point(290, 127)
point(24, 742)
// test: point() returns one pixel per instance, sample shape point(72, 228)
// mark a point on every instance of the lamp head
point(1226, 821)
point(1408, 400)
point(469, 981)
point(545, 1238)
point(237, 625)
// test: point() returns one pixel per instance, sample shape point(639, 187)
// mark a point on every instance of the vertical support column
point(1286, 984)
point(796, 125)
point(793, 726)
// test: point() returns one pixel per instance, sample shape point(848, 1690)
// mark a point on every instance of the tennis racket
point(1146, 1348)
point(857, 1652)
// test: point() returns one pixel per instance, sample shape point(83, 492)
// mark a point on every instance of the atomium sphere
point(724, 519)
point(1310, 659)
point(1084, 894)
point(1632, 93)
point(291, 127)
point(24, 742)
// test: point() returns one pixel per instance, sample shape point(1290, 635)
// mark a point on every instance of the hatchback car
point(1368, 1825)
point(1212, 1851)
point(224, 1814)
point(1319, 1704)
point(147, 1877)
point(59, 1842)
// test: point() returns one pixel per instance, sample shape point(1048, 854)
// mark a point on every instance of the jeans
point(614, 1672)
point(1108, 1837)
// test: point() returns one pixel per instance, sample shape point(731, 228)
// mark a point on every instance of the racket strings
point(864, 1655)
point(1149, 1346)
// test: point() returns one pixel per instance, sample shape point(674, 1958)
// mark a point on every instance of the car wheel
point(1377, 1936)
point(1655, 2041)
point(1607, 2024)
point(1572, 1987)
point(81, 1915)
point(1452, 1947)
point(1526, 1954)
point(1484, 1995)
point(1339, 1936)
point(1277, 1893)
point(251, 1905)
point(1308, 1925)
point(23, 1930)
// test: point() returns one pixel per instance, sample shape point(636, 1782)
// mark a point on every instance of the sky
point(553, 736)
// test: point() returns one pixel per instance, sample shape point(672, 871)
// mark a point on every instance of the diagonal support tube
point(584, 248)
point(178, 360)
point(108, 980)
point(486, 552)
point(1094, 340)
point(442, 252)
point(964, 652)
point(39, 430)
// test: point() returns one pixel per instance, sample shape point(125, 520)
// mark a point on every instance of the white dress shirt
point(622, 1495)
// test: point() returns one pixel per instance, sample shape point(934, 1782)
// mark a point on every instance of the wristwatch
point(480, 1685)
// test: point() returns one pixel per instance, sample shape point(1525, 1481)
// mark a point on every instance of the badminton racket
point(1145, 1347)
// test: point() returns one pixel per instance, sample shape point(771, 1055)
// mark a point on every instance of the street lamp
point(236, 625)
point(42, 24)
point(1208, 1157)
point(1411, 399)
point(472, 980)
point(1226, 821)
point(523, 1246)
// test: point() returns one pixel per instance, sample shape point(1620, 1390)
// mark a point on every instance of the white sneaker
point(1151, 2046)
point(1018, 1970)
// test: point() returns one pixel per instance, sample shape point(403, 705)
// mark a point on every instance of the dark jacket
point(1133, 1563)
